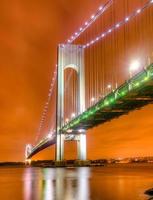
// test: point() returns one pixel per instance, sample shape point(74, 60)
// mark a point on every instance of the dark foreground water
point(125, 182)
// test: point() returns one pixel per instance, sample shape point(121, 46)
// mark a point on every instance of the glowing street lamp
point(73, 115)
point(109, 88)
point(92, 99)
point(134, 66)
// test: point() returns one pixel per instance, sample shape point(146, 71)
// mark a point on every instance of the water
point(126, 182)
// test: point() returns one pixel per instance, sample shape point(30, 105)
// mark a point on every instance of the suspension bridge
point(96, 81)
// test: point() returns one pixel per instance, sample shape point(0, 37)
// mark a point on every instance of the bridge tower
point(70, 56)
point(28, 150)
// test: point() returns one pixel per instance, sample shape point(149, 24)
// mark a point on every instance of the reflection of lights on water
point(59, 184)
point(48, 190)
point(69, 190)
point(83, 183)
point(32, 184)
point(72, 184)
point(27, 184)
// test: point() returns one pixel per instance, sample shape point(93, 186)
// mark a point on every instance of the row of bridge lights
point(81, 29)
point(134, 66)
point(116, 26)
point(93, 17)
point(46, 106)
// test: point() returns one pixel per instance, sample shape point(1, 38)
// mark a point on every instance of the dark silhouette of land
point(75, 163)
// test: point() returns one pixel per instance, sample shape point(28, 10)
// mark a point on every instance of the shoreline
point(83, 164)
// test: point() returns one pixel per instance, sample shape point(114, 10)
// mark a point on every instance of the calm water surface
point(126, 182)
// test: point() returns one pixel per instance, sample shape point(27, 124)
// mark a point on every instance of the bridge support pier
point(60, 147)
point(81, 146)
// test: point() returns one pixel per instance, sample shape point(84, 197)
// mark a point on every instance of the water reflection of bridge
point(59, 183)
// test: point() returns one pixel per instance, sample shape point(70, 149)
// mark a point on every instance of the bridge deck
point(133, 94)
point(43, 144)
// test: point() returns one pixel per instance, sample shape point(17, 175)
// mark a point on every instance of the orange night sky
point(29, 34)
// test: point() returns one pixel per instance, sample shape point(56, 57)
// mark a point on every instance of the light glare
point(134, 65)
point(100, 8)
point(139, 10)
point(109, 86)
point(81, 130)
point(73, 115)
point(92, 99)
point(67, 120)
point(117, 25)
point(49, 136)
